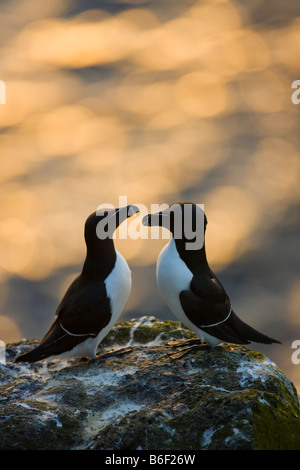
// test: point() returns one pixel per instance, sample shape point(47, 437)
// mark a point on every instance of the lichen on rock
point(148, 389)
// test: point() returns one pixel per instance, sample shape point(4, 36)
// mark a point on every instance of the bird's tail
point(51, 346)
point(32, 356)
point(249, 333)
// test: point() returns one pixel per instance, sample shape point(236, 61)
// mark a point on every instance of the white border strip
point(219, 323)
point(74, 334)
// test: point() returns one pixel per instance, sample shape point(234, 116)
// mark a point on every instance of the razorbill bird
point(188, 285)
point(95, 299)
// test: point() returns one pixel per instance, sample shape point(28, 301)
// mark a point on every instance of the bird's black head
point(100, 227)
point(185, 220)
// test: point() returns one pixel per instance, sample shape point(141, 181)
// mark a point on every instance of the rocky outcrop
point(151, 388)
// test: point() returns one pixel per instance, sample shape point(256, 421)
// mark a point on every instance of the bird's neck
point(195, 260)
point(100, 258)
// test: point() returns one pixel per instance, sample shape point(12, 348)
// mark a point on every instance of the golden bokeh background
point(157, 101)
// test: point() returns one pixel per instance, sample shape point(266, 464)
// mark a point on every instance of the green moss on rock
point(146, 330)
point(151, 391)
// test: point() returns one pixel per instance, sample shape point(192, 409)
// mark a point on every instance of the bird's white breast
point(118, 286)
point(173, 276)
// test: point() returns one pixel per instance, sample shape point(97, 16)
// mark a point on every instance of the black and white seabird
point(95, 299)
point(191, 289)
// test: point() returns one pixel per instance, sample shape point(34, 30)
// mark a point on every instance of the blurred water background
point(159, 101)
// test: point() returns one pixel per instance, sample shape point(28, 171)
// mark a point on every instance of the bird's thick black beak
point(146, 220)
point(132, 210)
point(151, 220)
point(123, 213)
